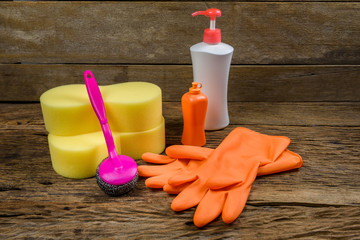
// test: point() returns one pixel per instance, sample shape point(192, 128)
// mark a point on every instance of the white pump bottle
point(211, 61)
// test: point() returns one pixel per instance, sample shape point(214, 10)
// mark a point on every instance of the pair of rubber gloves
point(218, 180)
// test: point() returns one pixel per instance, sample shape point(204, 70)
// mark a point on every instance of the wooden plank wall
point(284, 51)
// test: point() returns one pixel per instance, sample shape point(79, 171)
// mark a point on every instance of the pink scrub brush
point(117, 174)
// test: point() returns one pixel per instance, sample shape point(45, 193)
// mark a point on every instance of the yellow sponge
point(67, 111)
point(78, 156)
point(133, 106)
point(130, 107)
point(76, 142)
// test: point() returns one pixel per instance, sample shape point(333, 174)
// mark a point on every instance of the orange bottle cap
point(195, 89)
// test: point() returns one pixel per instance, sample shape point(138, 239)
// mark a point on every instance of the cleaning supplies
point(211, 65)
point(194, 105)
point(218, 180)
point(76, 143)
point(117, 174)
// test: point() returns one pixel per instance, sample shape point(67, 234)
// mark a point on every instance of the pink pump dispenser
point(117, 174)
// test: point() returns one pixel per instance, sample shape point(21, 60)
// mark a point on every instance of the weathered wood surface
point(115, 219)
point(320, 200)
point(26, 82)
point(307, 114)
point(162, 32)
point(295, 72)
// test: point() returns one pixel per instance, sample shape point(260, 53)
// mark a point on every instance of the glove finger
point(286, 161)
point(150, 171)
point(235, 203)
point(245, 171)
point(158, 181)
point(189, 197)
point(156, 158)
point(175, 189)
point(188, 175)
point(188, 152)
point(182, 178)
point(209, 208)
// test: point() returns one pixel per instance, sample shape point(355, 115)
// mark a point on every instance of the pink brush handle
point(98, 106)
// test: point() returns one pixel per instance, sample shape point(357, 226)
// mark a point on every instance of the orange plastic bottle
point(194, 105)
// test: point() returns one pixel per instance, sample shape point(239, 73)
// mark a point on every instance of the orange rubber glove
point(158, 175)
point(235, 163)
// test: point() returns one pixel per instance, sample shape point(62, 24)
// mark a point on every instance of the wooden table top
point(320, 200)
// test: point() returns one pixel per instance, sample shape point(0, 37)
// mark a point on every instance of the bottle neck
point(212, 36)
point(194, 92)
point(212, 24)
point(195, 89)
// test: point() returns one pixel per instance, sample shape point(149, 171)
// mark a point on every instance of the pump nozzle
point(211, 12)
point(212, 35)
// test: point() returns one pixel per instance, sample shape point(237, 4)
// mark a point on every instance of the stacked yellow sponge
point(77, 145)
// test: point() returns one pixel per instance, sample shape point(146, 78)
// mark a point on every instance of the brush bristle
point(116, 190)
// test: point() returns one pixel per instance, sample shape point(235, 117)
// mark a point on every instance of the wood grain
point(307, 114)
point(135, 32)
point(295, 72)
point(116, 220)
point(327, 178)
point(320, 200)
point(26, 82)
point(334, 147)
